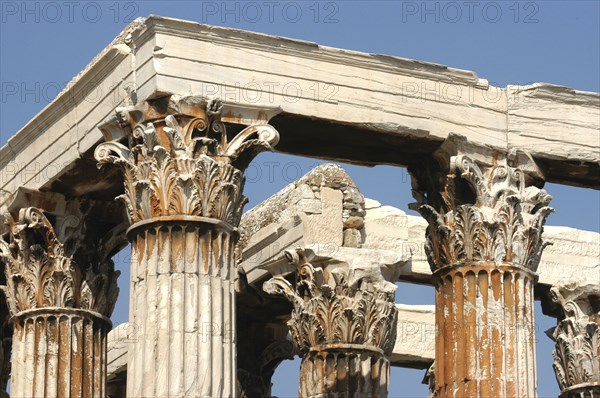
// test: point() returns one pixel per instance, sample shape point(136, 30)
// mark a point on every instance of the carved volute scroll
point(179, 160)
point(577, 337)
point(481, 206)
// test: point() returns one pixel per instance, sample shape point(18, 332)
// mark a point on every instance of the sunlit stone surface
point(217, 299)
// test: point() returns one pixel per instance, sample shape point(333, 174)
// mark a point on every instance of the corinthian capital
point(337, 305)
point(180, 161)
point(577, 337)
point(63, 263)
point(481, 206)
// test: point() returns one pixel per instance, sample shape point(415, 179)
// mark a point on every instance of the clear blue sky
point(44, 44)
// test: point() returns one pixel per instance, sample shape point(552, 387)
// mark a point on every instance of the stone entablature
point(323, 207)
point(156, 56)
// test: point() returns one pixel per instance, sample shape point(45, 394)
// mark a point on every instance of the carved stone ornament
point(39, 274)
point(335, 307)
point(481, 207)
point(577, 337)
point(181, 162)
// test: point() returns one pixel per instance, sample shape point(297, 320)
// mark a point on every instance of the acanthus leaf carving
point(480, 211)
point(184, 164)
point(40, 274)
point(577, 336)
point(330, 308)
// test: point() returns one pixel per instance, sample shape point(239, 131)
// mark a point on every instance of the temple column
point(483, 242)
point(343, 324)
point(183, 184)
point(61, 288)
point(577, 337)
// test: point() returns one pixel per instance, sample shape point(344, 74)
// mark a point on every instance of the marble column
point(577, 337)
point(183, 180)
point(343, 325)
point(61, 289)
point(486, 213)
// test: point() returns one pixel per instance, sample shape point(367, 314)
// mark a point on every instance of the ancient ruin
point(219, 297)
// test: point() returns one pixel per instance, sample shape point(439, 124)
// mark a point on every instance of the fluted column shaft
point(59, 353)
point(182, 306)
point(344, 371)
point(485, 345)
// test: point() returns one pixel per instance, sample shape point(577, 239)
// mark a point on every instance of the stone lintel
point(175, 57)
